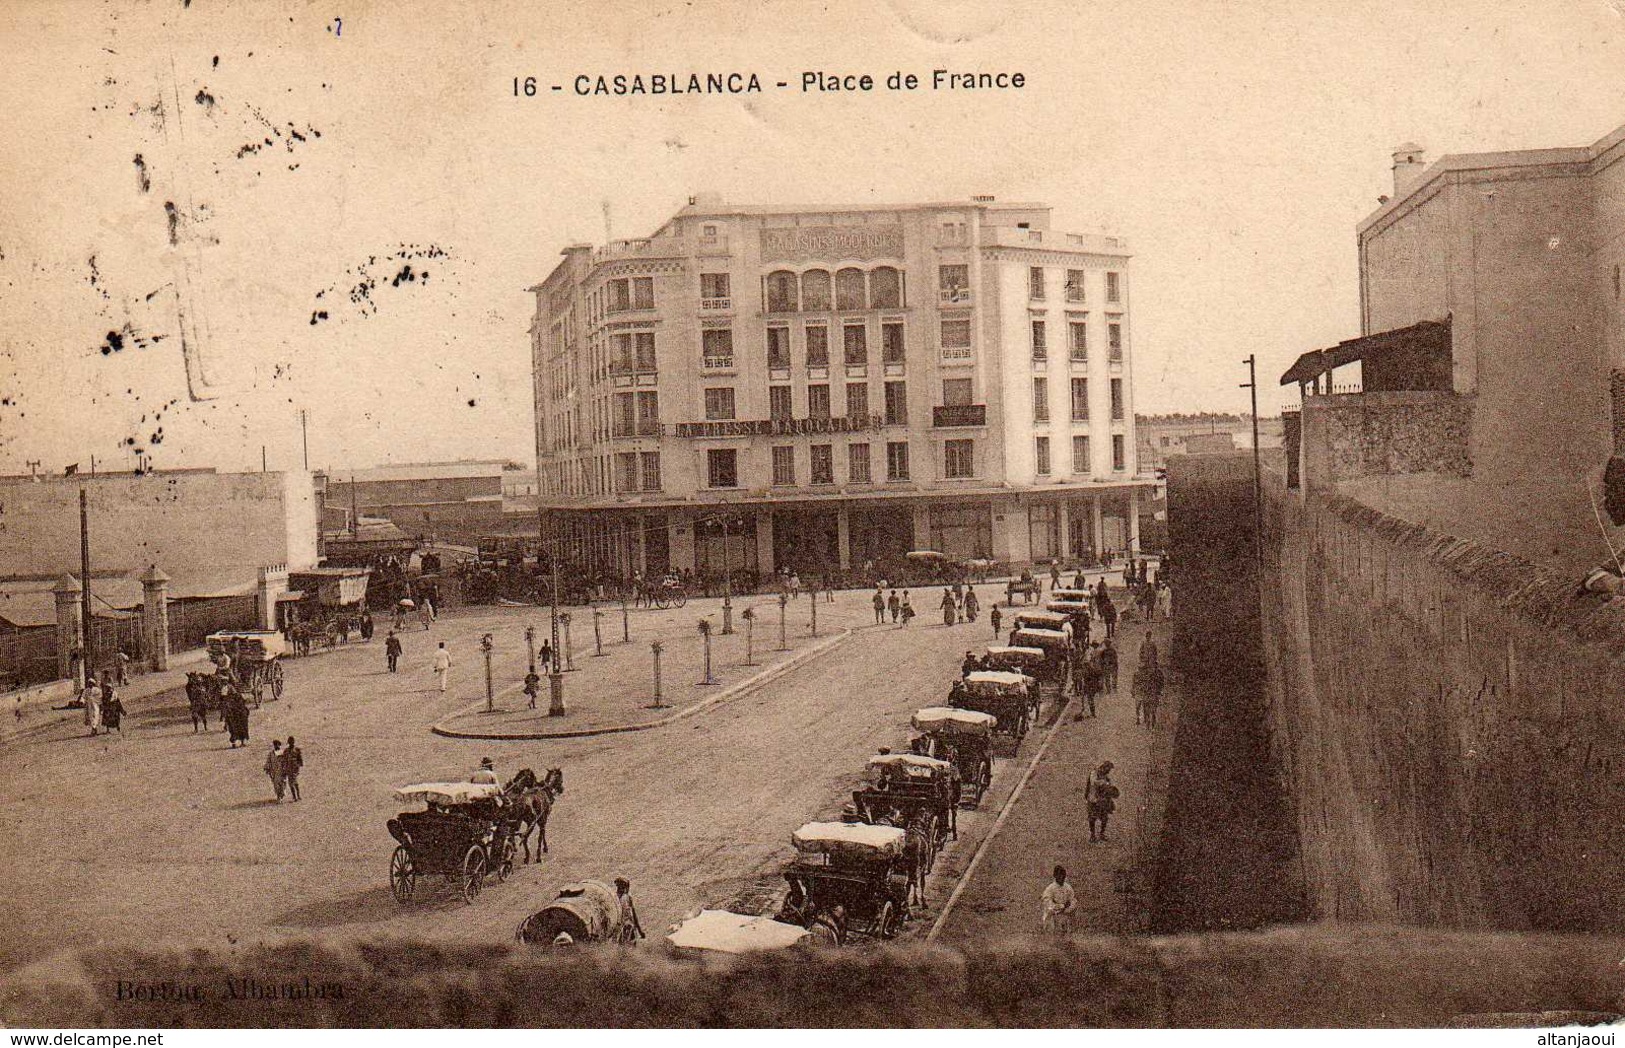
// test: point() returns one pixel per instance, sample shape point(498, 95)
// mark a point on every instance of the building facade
point(827, 388)
point(1489, 401)
point(1161, 436)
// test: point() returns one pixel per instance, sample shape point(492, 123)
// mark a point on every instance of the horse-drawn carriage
point(961, 737)
point(849, 878)
point(586, 911)
point(254, 656)
point(464, 835)
point(1030, 588)
point(1056, 646)
point(1077, 612)
point(1082, 596)
point(1011, 699)
point(913, 791)
point(722, 931)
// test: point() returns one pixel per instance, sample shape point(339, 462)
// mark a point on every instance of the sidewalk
point(35, 709)
point(1048, 825)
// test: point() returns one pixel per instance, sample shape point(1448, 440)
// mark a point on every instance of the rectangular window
point(1035, 282)
point(626, 471)
point(959, 458)
point(955, 334)
point(643, 293)
point(1040, 400)
point(625, 414)
point(956, 392)
point(778, 347)
point(1041, 456)
point(897, 460)
point(953, 283)
point(1119, 453)
point(1117, 400)
point(857, 463)
point(817, 346)
point(1040, 341)
point(855, 339)
point(620, 295)
point(651, 471)
point(818, 401)
point(1080, 341)
point(857, 399)
point(823, 464)
point(1043, 531)
point(1080, 456)
point(645, 343)
point(714, 286)
point(719, 402)
point(1114, 290)
point(896, 404)
point(784, 465)
point(722, 468)
point(1114, 342)
point(1080, 400)
point(1074, 285)
point(780, 292)
point(778, 402)
point(891, 343)
point(718, 348)
point(649, 406)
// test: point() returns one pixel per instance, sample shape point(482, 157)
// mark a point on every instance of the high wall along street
point(1440, 620)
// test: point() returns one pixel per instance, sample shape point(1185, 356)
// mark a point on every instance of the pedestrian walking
point(546, 654)
point(293, 762)
point(276, 770)
point(112, 711)
point(631, 927)
point(1058, 904)
point(972, 605)
point(425, 614)
point(1054, 575)
point(400, 618)
point(908, 609)
point(949, 607)
point(1147, 692)
point(533, 685)
point(880, 607)
point(234, 711)
point(1108, 613)
point(895, 605)
point(1108, 666)
point(1101, 797)
point(1165, 602)
point(1090, 685)
point(995, 618)
point(366, 626)
point(122, 664)
point(92, 699)
point(442, 662)
point(829, 589)
point(392, 651)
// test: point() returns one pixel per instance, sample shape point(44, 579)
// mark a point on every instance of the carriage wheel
point(886, 923)
point(276, 680)
point(661, 601)
point(402, 878)
point(473, 873)
point(681, 598)
point(504, 857)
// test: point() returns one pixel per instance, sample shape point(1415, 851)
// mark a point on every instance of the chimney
point(1410, 160)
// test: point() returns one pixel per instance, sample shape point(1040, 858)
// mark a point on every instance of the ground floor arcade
point(820, 535)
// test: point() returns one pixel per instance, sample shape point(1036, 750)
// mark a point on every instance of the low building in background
point(453, 503)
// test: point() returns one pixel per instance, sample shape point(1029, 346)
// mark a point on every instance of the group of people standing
point(900, 608)
point(283, 765)
point(104, 712)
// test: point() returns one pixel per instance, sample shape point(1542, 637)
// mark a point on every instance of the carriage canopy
point(722, 931)
point(911, 764)
point(447, 792)
point(1082, 596)
point(1044, 639)
point(1014, 654)
point(999, 679)
point(1042, 619)
point(852, 839)
point(248, 645)
point(1067, 607)
point(949, 720)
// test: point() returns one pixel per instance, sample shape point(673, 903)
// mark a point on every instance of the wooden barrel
point(587, 911)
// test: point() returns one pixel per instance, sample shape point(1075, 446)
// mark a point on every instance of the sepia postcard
point(651, 515)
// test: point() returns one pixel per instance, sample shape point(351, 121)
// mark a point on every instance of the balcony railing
point(779, 427)
point(954, 296)
point(947, 416)
point(716, 362)
point(643, 427)
point(957, 353)
point(622, 367)
point(720, 302)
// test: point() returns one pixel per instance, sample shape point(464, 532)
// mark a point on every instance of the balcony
point(954, 296)
point(626, 429)
point(957, 354)
point(622, 368)
point(950, 416)
point(778, 427)
point(717, 304)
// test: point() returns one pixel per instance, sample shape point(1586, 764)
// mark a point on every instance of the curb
point(744, 687)
point(998, 824)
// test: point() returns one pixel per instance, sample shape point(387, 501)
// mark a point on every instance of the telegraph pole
point(304, 435)
point(84, 575)
point(1258, 476)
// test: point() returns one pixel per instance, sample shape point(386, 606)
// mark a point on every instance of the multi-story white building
point(825, 387)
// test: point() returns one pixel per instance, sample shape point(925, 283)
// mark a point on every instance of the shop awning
point(1417, 357)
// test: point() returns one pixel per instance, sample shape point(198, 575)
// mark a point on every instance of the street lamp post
point(705, 636)
point(555, 679)
point(750, 636)
point(784, 600)
point(486, 645)
point(727, 583)
point(530, 647)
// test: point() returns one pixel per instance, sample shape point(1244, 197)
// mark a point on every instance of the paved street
point(167, 835)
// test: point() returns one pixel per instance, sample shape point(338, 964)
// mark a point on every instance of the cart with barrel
point(848, 878)
point(962, 738)
point(463, 836)
point(1009, 698)
point(582, 912)
point(1030, 588)
point(255, 655)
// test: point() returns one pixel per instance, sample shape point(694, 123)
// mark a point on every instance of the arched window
point(885, 288)
point(815, 290)
point(849, 292)
point(781, 291)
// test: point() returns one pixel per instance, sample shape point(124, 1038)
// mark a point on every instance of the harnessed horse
point(533, 801)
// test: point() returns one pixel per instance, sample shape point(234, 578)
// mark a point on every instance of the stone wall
point(1448, 723)
point(1371, 434)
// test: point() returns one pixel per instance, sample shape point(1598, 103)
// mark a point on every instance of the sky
point(335, 209)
